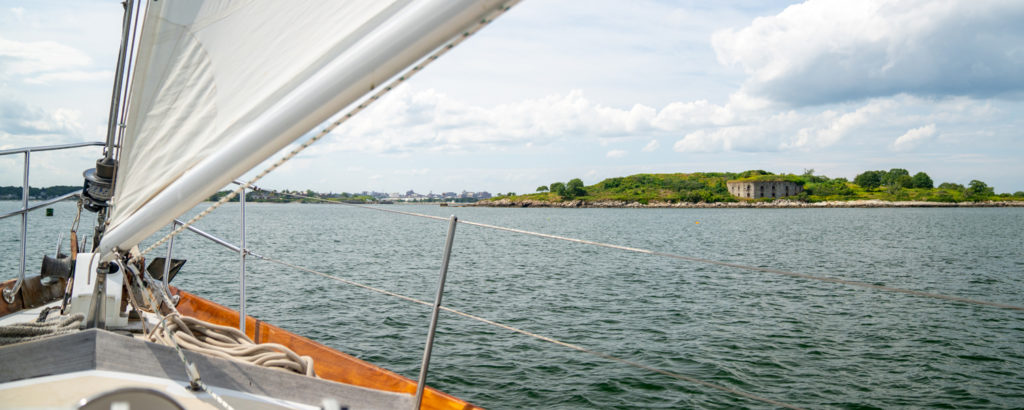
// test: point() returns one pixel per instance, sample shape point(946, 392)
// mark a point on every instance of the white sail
point(219, 86)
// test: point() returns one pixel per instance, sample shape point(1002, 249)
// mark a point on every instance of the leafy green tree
point(558, 188)
point(889, 179)
point(952, 186)
point(1019, 194)
point(574, 188)
point(978, 190)
point(921, 180)
point(869, 179)
point(542, 188)
point(903, 181)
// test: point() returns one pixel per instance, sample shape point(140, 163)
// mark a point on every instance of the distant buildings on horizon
point(411, 195)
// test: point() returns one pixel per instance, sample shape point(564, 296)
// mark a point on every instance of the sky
point(555, 90)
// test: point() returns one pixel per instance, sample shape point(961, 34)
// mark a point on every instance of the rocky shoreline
point(779, 203)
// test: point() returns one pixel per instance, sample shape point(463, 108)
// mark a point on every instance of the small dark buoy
point(49, 211)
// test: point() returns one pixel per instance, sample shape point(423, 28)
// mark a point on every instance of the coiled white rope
point(228, 343)
point(193, 334)
point(24, 332)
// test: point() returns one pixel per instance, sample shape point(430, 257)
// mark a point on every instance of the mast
point(99, 181)
point(115, 98)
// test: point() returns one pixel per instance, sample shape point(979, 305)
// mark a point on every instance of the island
point(760, 189)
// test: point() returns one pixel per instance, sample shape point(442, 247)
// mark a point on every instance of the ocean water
point(807, 343)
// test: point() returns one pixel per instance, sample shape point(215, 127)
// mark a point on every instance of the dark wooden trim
point(329, 363)
point(32, 294)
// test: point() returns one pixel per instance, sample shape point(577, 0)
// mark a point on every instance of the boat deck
point(60, 371)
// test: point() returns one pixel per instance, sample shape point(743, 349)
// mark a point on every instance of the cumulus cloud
point(616, 153)
point(870, 123)
point(913, 138)
point(424, 121)
point(735, 138)
point(409, 120)
point(680, 114)
point(20, 119)
point(832, 126)
point(37, 57)
point(823, 51)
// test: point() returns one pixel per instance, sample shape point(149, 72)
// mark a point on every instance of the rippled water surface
point(807, 343)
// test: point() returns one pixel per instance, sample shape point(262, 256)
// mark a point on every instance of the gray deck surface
point(95, 349)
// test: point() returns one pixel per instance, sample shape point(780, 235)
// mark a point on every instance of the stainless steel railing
point(9, 294)
point(242, 253)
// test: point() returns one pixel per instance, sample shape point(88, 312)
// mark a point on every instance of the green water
point(806, 343)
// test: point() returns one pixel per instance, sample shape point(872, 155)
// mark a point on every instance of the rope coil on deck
point(54, 326)
point(182, 332)
point(228, 343)
point(176, 331)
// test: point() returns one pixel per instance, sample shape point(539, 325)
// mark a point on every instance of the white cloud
point(616, 153)
point(70, 76)
point(19, 119)
point(824, 51)
point(833, 127)
point(415, 120)
point(39, 57)
point(680, 114)
point(914, 138)
point(426, 121)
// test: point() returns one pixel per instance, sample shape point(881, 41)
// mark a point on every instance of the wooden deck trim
point(329, 363)
point(31, 294)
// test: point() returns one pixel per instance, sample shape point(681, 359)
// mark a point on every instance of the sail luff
point(400, 41)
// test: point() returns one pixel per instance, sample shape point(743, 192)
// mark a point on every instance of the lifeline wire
point(545, 338)
point(190, 368)
point(327, 130)
point(691, 259)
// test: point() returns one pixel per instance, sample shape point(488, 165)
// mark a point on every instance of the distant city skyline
point(556, 90)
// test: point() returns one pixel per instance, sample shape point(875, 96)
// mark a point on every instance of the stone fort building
point(763, 189)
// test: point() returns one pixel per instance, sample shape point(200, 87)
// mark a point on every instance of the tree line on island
point(14, 192)
point(896, 184)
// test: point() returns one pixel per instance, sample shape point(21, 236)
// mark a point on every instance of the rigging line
point(693, 259)
point(192, 372)
point(545, 338)
point(402, 77)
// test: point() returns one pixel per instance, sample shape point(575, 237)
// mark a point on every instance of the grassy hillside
point(711, 187)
